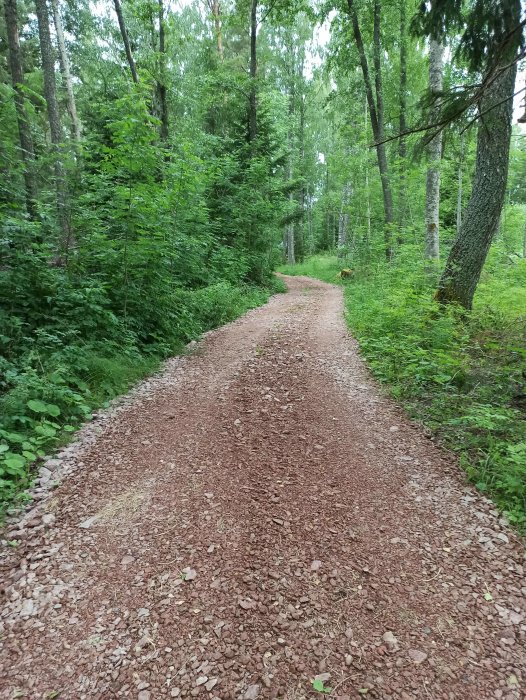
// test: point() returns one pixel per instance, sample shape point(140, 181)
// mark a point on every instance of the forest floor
point(258, 515)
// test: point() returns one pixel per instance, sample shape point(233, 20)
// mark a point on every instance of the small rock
point(516, 618)
point(316, 564)
point(246, 604)
point(144, 695)
point(189, 574)
point(348, 659)
point(324, 677)
point(175, 692)
point(417, 656)
point(128, 559)
point(28, 607)
point(252, 692)
point(391, 641)
point(209, 685)
point(143, 612)
point(86, 524)
point(48, 519)
point(201, 680)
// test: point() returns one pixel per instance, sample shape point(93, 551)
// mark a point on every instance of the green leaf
point(37, 406)
point(52, 410)
point(319, 687)
point(4, 448)
point(14, 464)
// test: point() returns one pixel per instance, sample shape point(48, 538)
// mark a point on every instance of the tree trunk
point(215, 9)
point(376, 114)
point(291, 257)
point(66, 72)
point(468, 254)
point(252, 107)
point(434, 150)
point(126, 41)
point(161, 85)
point(291, 252)
point(343, 221)
point(27, 151)
point(460, 179)
point(50, 94)
point(402, 123)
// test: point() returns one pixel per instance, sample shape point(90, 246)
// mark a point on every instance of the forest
point(161, 160)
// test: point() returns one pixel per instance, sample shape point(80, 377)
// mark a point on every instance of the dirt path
point(320, 532)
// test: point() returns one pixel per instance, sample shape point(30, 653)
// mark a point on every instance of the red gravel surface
point(257, 516)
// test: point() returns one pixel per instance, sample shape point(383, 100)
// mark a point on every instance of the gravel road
point(257, 517)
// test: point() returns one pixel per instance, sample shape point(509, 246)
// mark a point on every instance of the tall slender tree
point(24, 129)
point(376, 111)
point(215, 9)
point(253, 69)
point(161, 83)
point(66, 71)
point(55, 126)
point(402, 120)
point(434, 150)
point(126, 41)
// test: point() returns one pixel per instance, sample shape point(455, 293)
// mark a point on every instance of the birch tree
point(434, 151)
point(66, 71)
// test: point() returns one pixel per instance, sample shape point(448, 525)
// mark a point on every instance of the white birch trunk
point(432, 245)
point(343, 221)
point(66, 72)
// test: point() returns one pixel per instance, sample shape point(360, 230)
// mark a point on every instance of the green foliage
point(462, 376)
point(319, 686)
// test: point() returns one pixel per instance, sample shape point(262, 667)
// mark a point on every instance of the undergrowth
point(462, 375)
point(71, 354)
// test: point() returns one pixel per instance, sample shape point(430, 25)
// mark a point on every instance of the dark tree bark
point(55, 128)
point(376, 113)
point(24, 131)
point(126, 40)
point(252, 106)
point(468, 254)
point(402, 123)
point(66, 72)
point(162, 72)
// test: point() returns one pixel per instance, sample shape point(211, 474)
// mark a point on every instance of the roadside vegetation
point(462, 376)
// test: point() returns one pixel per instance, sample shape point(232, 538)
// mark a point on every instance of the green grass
point(462, 376)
